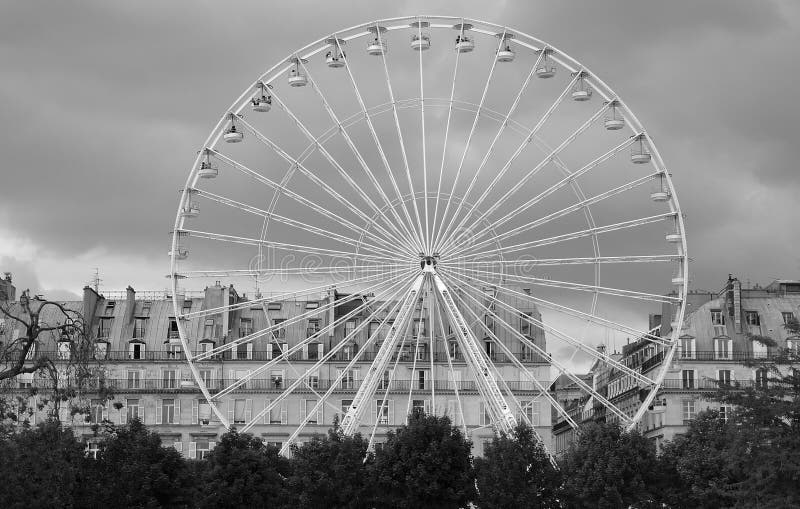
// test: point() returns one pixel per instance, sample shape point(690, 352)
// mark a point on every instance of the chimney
point(130, 304)
point(8, 292)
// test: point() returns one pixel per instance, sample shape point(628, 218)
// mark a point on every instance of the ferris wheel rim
point(524, 40)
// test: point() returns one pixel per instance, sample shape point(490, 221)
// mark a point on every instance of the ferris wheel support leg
point(352, 419)
point(483, 373)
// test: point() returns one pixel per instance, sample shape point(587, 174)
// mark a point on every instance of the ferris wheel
point(440, 185)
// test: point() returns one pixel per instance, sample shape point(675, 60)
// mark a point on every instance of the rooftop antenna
point(95, 281)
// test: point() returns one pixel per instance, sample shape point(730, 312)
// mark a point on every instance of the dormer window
point(110, 306)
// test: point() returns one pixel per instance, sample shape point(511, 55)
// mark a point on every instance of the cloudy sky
point(105, 104)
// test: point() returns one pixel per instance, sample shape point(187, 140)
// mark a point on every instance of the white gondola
point(262, 104)
point(335, 57)
point(546, 69)
point(207, 170)
point(180, 254)
point(232, 135)
point(334, 61)
point(678, 280)
point(420, 42)
point(190, 210)
point(464, 44)
point(639, 151)
point(581, 91)
point(506, 54)
point(377, 47)
point(614, 124)
point(296, 78)
point(660, 193)
point(674, 238)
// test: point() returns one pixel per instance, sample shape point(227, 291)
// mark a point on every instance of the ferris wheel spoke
point(387, 292)
point(469, 141)
point(448, 231)
point(290, 222)
point(570, 311)
point(597, 230)
point(410, 223)
point(616, 292)
point(424, 146)
point(283, 296)
point(563, 369)
point(533, 378)
point(318, 181)
point(552, 156)
point(555, 215)
point(300, 199)
point(293, 248)
point(406, 235)
point(450, 369)
point(400, 134)
point(424, 299)
point(534, 262)
point(322, 269)
point(395, 306)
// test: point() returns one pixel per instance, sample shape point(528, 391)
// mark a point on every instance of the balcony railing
point(726, 356)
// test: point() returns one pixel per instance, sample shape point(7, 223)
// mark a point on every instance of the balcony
point(724, 356)
point(704, 384)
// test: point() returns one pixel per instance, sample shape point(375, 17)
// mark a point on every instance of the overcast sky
point(105, 103)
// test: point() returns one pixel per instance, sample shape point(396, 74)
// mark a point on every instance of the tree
point(41, 467)
point(331, 471)
point(516, 471)
point(424, 463)
point(133, 469)
point(242, 472)
point(609, 468)
point(52, 343)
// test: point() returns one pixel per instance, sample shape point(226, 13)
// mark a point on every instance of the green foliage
point(242, 472)
point(331, 471)
point(515, 471)
point(609, 468)
point(41, 467)
point(425, 463)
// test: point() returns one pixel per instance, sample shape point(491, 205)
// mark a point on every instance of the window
point(717, 318)
point(688, 409)
point(422, 376)
point(274, 306)
point(243, 351)
point(485, 416)
point(172, 332)
point(722, 348)
point(687, 379)
point(146, 305)
point(454, 351)
point(104, 327)
point(761, 376)
point(238, 411)
point(139, 327)
point(169, 413)
point(245, 327)
point(312, 328)
point(96, 411)
point(724, 376)
point(308, 412)
point(25, 380)
point(206, 346)
point(349, 327)
point(208, 328)
point(110, 305)
point(274, 444)
point(313, 380)
point(418, 405)
point(100, 350)
point(186, 307)
point(134, 379)
point(64, 350)
point(793, 344)
point(687, 348)
point(206, 375)
point(788, 317)
point(203, 412)
point(201, 448)
point(312, 304)
point(278, 349)
point(488, 321)
point(724, 413)
point(524, 324)
point(276, 379)
point(279, 332)
point(382, 411)
point(527, 353)
point(345, 406)
point(383, 384)
point(169, 378)
point(752, 318)
point(92, 448)
point(489, 346)
point(136, 351)
point(348, 351)
point(422, 351)
point(174, 350)
point(374, 329)
point(277, 415)
point(419, 327)
point(349, 379)
point(532, 411)
point(313, 351)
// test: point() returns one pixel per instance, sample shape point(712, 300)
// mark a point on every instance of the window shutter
point(375, 410)
point(192, 450)
point(284, 417)
point(321, 414)
point(482, 410)
point(427, 407)
point(305, 351)
point(231, 406)
point(248, 410)
point(537, 409)
point(249, 350)
point(234, 352)
point(123, 414)
point(269, 351)
point(355, 376)
point(195, 411)
point(178, 446)
point(266, 414)
point(391, 412)
point(451, 411)
point(177, 418)
point(211, 446)
point(319, 351)
point(159, 416)
point(149, 415)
